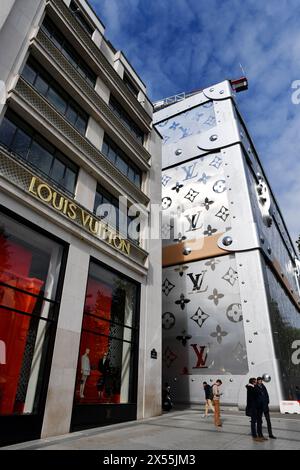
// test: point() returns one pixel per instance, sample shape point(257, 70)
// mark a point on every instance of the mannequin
point(104, 368)
point(85, 371)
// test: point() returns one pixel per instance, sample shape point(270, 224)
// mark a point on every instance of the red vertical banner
point(15, 264)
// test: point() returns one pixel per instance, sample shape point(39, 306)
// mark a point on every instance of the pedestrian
point(264, 403)
point(254, 410)
point(216, 401)
point(166, 397)
point(297, 393)
point(208, 399)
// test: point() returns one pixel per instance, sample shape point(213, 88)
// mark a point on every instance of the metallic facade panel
point(203, 319)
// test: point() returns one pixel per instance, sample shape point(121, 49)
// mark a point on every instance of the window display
point(108, 339)
point(29, 270)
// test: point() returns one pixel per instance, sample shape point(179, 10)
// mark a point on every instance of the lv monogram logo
point(193, 221)
point(189, 171)
point(201, 358)
point(197, 280)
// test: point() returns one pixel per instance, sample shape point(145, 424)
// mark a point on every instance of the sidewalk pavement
point(183, 429)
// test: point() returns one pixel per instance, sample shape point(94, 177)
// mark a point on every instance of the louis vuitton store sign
point(74, 212)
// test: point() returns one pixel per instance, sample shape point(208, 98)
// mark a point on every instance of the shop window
point(109, 344)
point(29, 270)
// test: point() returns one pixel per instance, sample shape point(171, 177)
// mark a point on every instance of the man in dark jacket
point(254, 410)
point(264, 403)
point(208, 399)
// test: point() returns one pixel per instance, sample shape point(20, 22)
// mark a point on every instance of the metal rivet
point(255, 333)
point(245, 301)
point(252, 363)
point(227, 241)
point(240, 265)
point(269, 250)
point(232, 202)
point(243, 282)
point(230, 380)
point(266, 378)
point(213, 137)
point(221, 92)
point(178, 152)
point(250, 341)
point(211, 89)
point(262, 240)
point(187, 251)
point(248, 321)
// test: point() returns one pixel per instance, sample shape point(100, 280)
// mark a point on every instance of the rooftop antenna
point(243, 71)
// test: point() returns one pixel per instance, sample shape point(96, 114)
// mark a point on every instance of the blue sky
point(182, 45)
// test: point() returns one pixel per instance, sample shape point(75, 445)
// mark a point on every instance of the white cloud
point(181, 45)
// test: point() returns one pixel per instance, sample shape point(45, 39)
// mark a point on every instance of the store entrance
point(106, 382)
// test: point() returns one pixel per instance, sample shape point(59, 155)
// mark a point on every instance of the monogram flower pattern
point(191, 195)
point(223, 213)
point(231, 276)
point(218, 334)
point(199, 317)
point(206, 326)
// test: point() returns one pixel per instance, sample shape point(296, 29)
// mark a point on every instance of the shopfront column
point(60, 394)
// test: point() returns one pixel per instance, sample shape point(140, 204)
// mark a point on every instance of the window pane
point(21, 143)
point(71, 114)
point(41, 85)
point(57, 39)
point(81, 124)
point(98, 201)
point(7, 130)
point(91, 79)
point(122, 166)
point(70, 180)
point(29, 74)
point(58, 102)
point(58, 170)
point(131, 174)
point(70, 54)
point(137, 179)
point(105, 148)
point(40, 158)
point(112, 155)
